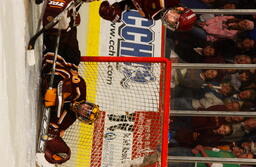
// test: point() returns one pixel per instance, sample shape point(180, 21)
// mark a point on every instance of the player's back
point(151, 8)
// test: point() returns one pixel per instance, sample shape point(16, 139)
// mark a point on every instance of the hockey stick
point(60, 99)
point(46, 111)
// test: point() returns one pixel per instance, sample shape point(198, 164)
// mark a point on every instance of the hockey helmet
point(86, 112)
point(179, 18)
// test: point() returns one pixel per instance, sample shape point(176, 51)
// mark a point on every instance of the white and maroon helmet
point(179, 18)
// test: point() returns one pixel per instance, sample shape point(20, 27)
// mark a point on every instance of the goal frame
point(166, 99)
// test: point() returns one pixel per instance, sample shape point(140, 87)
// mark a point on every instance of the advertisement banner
point(120, 138)
point(133, 36)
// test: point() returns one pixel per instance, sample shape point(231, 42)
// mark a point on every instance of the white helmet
point(179, 18)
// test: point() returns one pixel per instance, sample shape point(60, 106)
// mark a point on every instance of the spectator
point(200, 150)
point(229, 133)
point(249, 146)
point(232, 76)
point(202, 51)
point(240, 130)
point(198, 54)
point(190, 82)
point(232, 105)
point(247, 79)
point(221, 90)
point(242, 59)
point(195, 78)
point(210, 99)
point(179, 123)
point(241, 79)
point(229, 105)
point(246, 45)
point(225, 27)
point(209, 134)
point(246, 94)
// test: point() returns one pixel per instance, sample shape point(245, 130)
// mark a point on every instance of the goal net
point(132, 129)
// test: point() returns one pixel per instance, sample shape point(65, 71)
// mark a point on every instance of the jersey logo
point(57, 3)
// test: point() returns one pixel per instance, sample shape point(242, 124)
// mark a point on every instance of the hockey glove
point(110, 12)
point(50, 97)
point(57, 151)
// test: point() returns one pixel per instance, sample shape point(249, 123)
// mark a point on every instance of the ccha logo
point(137, 40)
point(136, 72)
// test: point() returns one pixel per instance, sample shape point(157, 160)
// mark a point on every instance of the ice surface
point(19, 84)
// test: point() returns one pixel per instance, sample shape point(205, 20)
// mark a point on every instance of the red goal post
point(134, 95)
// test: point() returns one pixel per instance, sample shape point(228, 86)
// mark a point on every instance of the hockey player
point(67, 100)
point(64, 90)
point(68, 45)
point(173, 16)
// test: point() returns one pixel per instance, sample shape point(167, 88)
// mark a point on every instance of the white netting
point(130, 126)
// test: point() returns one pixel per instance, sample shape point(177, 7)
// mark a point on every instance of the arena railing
point(225, 11)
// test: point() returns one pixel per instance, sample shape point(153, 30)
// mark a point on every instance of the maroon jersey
point(54, 8)
point(151, 8)
point(71, 92)
point(68, 45)
point(63, 68)
point(73, 88)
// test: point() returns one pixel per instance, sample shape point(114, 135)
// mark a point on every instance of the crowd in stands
point(218, 39)
point(225, 4)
